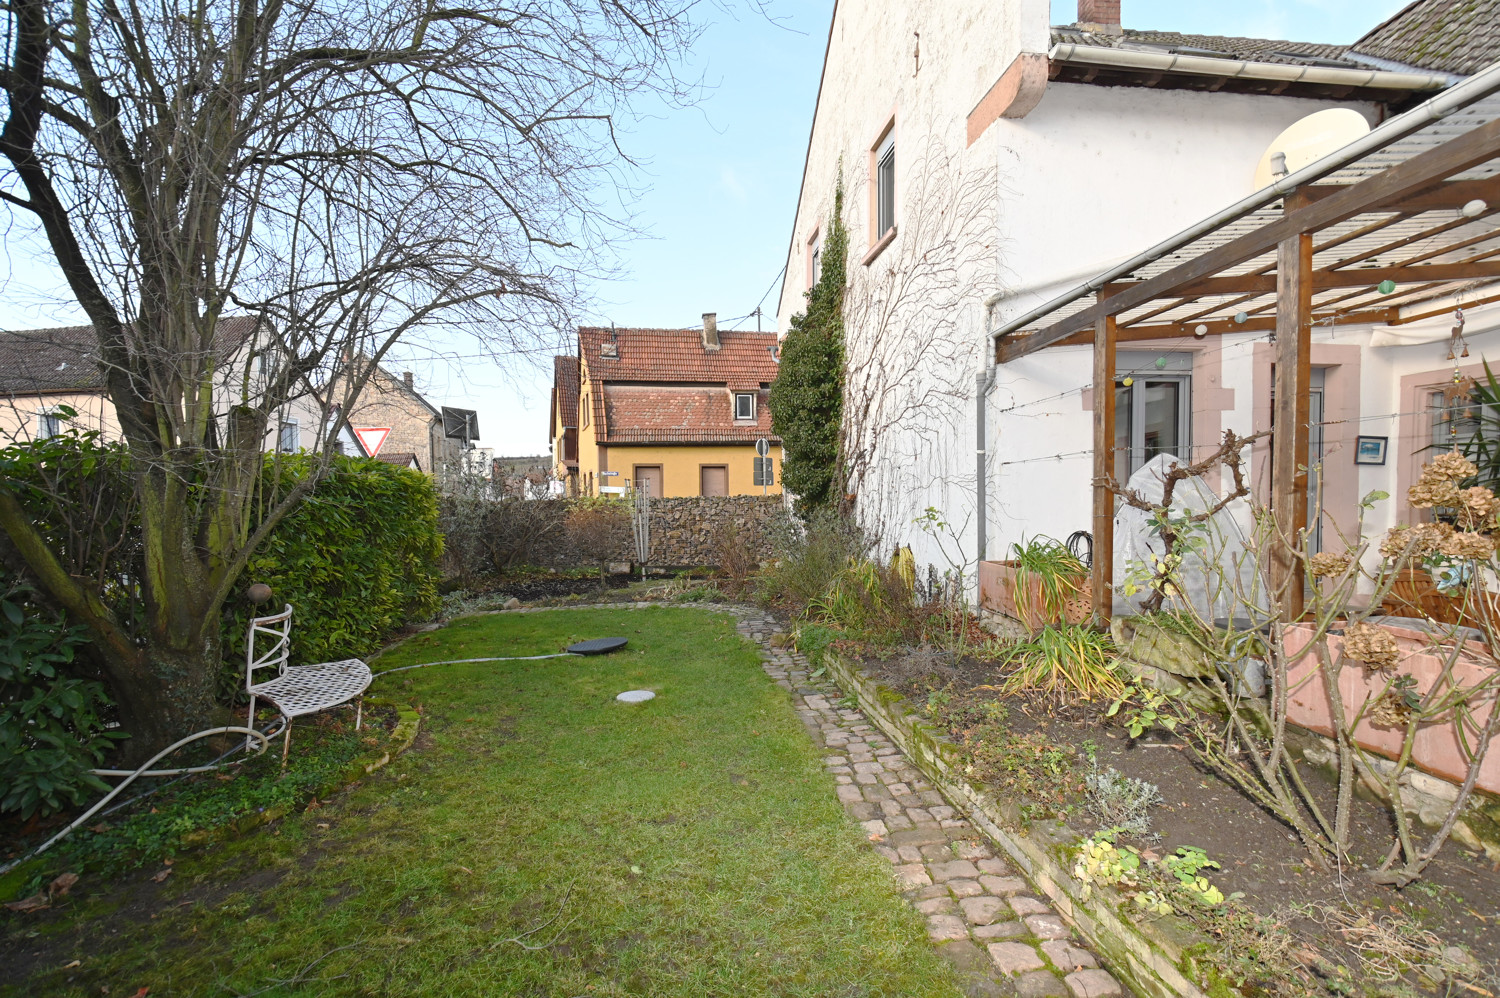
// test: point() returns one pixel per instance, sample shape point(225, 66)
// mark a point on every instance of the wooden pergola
point(1414, 205)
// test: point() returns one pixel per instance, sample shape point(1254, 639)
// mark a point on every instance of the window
point(1153, 412)
point(885, 185)
point(48, 424)
point(290, 438)
point(816, 267)
point(744, 405)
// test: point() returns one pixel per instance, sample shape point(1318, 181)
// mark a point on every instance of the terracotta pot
point(1437, 748)
point(997, 591)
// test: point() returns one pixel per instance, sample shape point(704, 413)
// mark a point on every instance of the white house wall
point(1089, 177)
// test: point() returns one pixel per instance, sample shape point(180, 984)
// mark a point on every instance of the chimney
point(1100, 15)
point(406, 377)
point(710, 330)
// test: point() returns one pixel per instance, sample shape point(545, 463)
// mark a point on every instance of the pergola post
point(1104, 466)
point(1289, 441)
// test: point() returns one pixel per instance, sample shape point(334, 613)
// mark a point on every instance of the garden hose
point(264, 739)
point(145, 770)
point(467, 661)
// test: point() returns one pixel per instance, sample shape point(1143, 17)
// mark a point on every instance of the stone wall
point(694, 530)
point(483, 535)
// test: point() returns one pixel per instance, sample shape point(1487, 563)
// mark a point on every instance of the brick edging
point(1148, 956)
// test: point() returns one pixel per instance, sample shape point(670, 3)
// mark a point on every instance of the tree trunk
point(162, 695)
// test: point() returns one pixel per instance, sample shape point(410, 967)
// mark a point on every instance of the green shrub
point(810, 560)
point(51, 718)
point(807, 398)
point(356, 560)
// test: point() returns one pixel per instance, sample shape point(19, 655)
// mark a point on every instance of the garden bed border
point(1154, 957)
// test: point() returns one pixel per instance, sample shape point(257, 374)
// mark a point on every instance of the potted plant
point(1041, 583)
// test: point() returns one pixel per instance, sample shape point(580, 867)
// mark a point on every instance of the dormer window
point(744, 405)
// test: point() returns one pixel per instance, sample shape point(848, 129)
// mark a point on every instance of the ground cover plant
point(169, 816)
point(1283, 927)
point(540, 838)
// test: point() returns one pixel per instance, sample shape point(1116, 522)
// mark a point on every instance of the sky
point(719, 185)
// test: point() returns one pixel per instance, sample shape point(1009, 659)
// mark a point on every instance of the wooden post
point(1104, 465)
point(1289, 442)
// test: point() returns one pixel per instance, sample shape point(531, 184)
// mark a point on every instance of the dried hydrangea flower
point(1390, 711)
point(1479, 505)
point(1471, 546)
point(1327, 564)
point(1374, 646)
point(1395, 542)
point(1452, 467)
point(1425, 494)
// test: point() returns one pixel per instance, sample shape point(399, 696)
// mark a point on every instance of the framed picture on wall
point(1370, 450)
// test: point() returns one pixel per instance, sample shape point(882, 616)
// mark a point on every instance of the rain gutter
point(1200, 65)
point(1473, 89)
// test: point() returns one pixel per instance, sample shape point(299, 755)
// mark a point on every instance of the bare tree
point(349, 173)
point(910, 356)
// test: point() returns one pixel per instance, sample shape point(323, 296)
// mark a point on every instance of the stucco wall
point(18, 415)
point(681, 464)
point(1089, 177)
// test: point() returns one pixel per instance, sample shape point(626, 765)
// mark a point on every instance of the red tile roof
point(680, 390)
point(641, 414)
point(565, 392)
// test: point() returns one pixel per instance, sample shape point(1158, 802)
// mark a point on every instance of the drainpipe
point(983, 380)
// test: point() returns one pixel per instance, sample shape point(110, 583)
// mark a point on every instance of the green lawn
point(691, 845)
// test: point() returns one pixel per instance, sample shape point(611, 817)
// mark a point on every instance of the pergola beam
point(1219, 327)
point(1407, 179)
point(1289, 454)
point(1327, 280)
point(1104, 466)
point(1450, 195)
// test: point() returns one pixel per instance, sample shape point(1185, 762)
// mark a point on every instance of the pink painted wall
point(1437, 746)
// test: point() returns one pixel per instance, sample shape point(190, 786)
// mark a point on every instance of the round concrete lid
point(597, 646)
point(636, 696)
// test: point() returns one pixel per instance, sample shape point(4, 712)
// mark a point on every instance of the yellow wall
point(680, 466)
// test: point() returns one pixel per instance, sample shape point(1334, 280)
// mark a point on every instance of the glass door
point(1152, 416)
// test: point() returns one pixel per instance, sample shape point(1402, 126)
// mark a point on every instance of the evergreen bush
point(356, 560)
point(807, 398)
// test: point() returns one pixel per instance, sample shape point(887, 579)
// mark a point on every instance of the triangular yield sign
point(371, 438)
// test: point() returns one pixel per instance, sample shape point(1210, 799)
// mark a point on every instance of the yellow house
point(562, 427)
point(676, 412)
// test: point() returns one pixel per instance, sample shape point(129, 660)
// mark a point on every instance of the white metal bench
point(299, 689)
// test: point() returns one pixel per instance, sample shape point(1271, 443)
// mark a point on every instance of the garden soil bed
point(1047, 757)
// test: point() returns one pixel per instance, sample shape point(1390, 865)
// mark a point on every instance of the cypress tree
point(807, 400)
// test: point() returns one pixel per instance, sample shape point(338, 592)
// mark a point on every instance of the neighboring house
point(990, 162)
point(417, 437)
point(675, 412)
point(44, 372)
point(562, 423)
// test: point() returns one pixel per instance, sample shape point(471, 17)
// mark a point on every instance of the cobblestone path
point(980, 913)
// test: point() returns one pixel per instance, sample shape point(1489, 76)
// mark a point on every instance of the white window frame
point(885, 185)
point(296, 436)
point(1141, 367)
point(49, 423)
point(744, 395)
